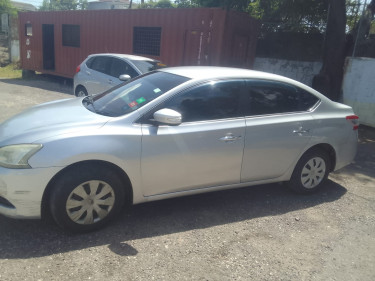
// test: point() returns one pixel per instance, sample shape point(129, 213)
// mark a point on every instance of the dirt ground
point(257, 233)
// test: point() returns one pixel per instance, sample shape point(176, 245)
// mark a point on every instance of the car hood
point(49, 119)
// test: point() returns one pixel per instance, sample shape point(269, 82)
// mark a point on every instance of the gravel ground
point(257, 233)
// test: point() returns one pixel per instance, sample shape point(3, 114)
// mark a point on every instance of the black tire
point(310, 172)
point(101, 197)
point(81, 92)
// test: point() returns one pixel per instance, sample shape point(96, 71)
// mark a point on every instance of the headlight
point(17, 156)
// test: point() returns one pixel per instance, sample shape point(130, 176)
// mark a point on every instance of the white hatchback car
point(100, 72)
point(168, 133)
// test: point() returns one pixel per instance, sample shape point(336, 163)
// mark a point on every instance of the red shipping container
point(56, 42)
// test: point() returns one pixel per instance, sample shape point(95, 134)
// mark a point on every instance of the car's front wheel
point(86, 199)
point(310, 172)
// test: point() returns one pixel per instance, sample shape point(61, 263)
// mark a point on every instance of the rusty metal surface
point(201, 36)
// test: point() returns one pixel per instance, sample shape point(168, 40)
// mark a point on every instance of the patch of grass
point(11, 71)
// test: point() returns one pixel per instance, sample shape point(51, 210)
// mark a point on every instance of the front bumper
point(21, 191)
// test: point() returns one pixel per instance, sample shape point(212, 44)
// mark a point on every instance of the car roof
point(123, 56)
point(211, 72)
point(218, 72)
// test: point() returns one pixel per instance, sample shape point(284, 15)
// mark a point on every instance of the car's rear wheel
point(86, 199)
point(310, 172)
point(81, 91)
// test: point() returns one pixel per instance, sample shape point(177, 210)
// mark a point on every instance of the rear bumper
point(347, 151)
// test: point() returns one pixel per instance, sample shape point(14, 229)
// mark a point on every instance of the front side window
point(215, 100)
point(132, 95)
point(119, 67)
point(71, 35)
point(268, 97)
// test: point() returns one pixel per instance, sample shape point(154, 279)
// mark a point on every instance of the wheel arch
point(45, 209)
point(327, 148)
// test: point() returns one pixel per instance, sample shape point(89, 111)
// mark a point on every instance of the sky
point(38, 3)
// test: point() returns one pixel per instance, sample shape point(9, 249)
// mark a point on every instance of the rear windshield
point(147, 66)
point(134, 94)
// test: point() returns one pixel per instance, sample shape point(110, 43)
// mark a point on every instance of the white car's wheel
point(86, 199)
point(81, 92)
point(310, 172)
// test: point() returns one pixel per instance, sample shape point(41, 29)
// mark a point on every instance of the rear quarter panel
point(331, 127)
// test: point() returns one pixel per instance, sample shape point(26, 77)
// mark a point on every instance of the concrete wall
point(302, 71)
point(359, 88)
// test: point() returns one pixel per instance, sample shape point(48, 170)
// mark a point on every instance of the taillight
point(78, 69)
point(353, 119)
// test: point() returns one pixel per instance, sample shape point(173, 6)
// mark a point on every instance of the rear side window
point(267, 97)
point(89, 62)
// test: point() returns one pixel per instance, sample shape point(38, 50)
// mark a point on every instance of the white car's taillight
point(353, 119)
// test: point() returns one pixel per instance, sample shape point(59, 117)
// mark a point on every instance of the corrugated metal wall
point(201, 36)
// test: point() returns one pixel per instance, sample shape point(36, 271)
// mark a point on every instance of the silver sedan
point(168, 133)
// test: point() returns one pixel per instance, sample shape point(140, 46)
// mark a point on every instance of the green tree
point(164, 4)
point(6, 7)
point(186, 4)
point(57, 5)
point(157, 4)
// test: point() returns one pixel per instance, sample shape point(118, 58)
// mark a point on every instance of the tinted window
point(119, 67)
point(265, 97)
point(133, 95)
point(217, 100)
point(101, 64)
point(89, 62)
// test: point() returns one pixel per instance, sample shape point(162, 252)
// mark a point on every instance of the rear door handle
point(301, 131)
point(230, 138)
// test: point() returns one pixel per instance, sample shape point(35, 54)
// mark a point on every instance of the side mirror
point(124, 77)
point(168, 116)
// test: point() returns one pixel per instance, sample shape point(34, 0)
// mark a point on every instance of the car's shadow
point(45, 82)
point(34, 238)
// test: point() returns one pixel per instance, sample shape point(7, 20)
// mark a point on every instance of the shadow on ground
point(34, 238)
point(45, 82)
point(363, 166)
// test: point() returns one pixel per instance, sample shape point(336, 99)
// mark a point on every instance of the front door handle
point(230, 138)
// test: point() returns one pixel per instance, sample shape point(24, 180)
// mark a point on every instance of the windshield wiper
point(90, 101)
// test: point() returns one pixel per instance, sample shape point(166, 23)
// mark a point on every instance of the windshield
point(134, 94)
point(147, 66)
